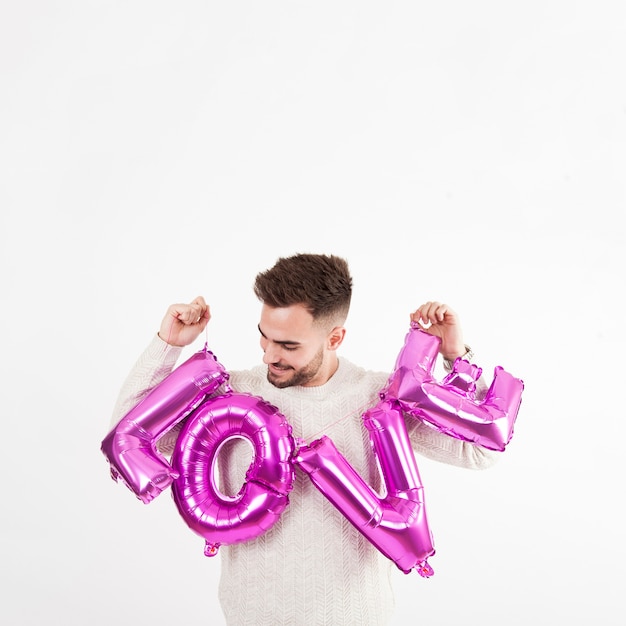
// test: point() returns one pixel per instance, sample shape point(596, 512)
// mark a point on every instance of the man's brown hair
point(322, 283)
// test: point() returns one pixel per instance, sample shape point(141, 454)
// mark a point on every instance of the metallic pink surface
point(451, 406)
point(263, 497)
point(395, 524)
point(130, 447)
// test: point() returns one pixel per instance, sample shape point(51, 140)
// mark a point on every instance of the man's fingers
point(190, 313)
point(431, 313)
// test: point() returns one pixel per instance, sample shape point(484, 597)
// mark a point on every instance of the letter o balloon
point(222, 519)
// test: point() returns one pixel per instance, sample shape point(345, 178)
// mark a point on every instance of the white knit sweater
point(312, 567)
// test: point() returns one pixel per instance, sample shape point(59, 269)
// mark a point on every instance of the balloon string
point(169, 333)
point(327, 427)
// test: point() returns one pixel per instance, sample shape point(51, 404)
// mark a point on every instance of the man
point(313, 566)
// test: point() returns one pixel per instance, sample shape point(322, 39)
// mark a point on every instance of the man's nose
point(270, 354)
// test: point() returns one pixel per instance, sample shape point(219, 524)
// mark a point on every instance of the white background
point(469, 152)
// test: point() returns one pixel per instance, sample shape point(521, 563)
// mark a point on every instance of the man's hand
point(184, 322)
point(440, 320)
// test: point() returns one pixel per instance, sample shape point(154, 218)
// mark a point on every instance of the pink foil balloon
point(130, 447)
point(451, 406)
point(395, 524)
point(263, 497)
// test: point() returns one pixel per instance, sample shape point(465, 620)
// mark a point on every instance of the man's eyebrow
point(280, 343)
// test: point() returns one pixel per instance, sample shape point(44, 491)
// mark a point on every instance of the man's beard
point(301, 376)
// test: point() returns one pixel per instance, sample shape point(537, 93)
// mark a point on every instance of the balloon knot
point(211, 549)
point(424, 569)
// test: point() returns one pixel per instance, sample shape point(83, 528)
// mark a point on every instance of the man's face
point(294, 348)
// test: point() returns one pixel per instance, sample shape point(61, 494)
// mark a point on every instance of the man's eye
point(290, 348)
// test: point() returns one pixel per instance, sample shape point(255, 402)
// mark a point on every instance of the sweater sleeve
point(153, 365)
point(438, 446)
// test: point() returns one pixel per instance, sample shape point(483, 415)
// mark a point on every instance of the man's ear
point(335, 337)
